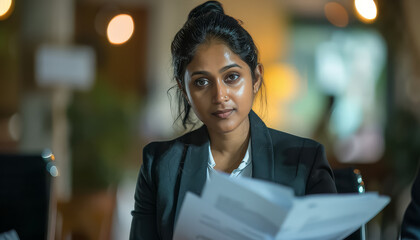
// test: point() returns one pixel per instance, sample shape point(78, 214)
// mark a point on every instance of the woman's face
point(220, 87)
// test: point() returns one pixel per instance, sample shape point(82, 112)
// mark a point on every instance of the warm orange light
point(281, 81)
point(366, 9)
point(120, 29)
point(6, 7)
point(336, 14)
point(282, 86)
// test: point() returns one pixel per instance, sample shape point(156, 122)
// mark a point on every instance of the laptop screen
point(24, 195)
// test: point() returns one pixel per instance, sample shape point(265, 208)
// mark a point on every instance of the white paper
point(240, 203)
point(198, 222)
point(245, 208)
point(268, 190)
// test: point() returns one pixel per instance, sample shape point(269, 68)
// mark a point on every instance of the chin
point(225, 127)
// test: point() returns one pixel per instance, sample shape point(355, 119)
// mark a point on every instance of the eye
point(201, 82)
point(232, 77)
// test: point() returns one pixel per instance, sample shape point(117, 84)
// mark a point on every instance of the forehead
point(213, 55)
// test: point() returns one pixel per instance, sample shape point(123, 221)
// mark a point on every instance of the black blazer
point(410, 228)
point(172, 168)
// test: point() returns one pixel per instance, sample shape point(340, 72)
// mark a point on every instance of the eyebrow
point(229, 66)
point(223, 69)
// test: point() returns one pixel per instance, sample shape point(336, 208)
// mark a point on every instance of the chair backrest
point(24, 195)
point(349, 180)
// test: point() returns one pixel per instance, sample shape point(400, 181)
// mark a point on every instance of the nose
point(221, 93)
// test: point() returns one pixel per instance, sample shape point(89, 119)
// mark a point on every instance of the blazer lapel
point(261, 149)
point(193, 173)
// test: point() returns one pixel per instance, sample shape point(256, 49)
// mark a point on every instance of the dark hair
point(206, 22)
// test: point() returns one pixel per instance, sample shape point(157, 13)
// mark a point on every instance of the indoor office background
point(89, 79)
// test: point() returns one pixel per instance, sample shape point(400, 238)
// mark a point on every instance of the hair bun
point(205, 8)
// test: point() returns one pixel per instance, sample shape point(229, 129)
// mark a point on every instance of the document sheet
point(245, 208)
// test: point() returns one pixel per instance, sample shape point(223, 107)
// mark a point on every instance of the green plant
point(101, 132)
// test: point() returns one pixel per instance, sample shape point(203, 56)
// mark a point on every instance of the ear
point(259, 73)
point(178, 82)
point(182, 90)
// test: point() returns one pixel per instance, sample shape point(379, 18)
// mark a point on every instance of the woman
point(218, 75)
point(410, 228)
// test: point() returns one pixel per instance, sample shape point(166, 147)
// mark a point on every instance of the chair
point(349, 180)
point(25, 184)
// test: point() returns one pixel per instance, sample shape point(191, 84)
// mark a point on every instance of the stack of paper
point(245, 208)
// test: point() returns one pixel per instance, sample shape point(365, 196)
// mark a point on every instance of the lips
point(223, 113)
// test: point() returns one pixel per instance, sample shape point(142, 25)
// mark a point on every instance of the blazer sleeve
point(144, 224)
point(410, 228)
point(320, 178)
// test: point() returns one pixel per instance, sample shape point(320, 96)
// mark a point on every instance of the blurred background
point(89, 80)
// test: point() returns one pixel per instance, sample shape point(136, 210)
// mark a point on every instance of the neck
point(228, 149)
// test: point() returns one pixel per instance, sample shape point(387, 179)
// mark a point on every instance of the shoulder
point(283, 139)
point(308, 160)
point(280, 142)
point(154, 151)
point(294, 150)
point(278, 138)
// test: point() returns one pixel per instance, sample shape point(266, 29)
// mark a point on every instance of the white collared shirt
point(244, 169)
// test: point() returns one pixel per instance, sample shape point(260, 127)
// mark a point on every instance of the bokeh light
point(54, 171)
point(336, 14)
point(15, 127)
point(120, 29)
point(366, 9)
point(6, 8)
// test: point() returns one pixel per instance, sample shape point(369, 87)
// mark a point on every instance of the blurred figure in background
point(410, 228)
